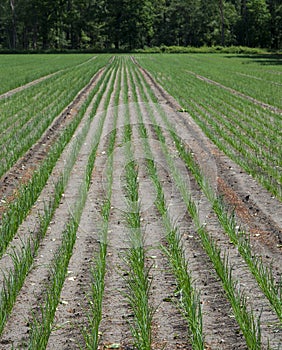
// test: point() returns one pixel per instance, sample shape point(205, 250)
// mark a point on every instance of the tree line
point(131, 24)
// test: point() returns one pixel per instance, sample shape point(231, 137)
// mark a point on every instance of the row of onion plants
point(248, 323)
point(98, 269)
point(42, 323)
point(189, 305)
point(23, 256)
point(137, 273)
point(215, 109)
point(17, 210)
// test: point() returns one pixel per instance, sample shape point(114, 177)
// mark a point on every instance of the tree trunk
point(244, 18)
point(222, 23)
point(14, 29)
point(34, 35)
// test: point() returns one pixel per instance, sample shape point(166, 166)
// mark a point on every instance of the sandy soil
point(256, 210)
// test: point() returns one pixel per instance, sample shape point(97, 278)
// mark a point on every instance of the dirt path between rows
point(254, 205)
point(26, 86)
point(34, 82)
point(31, 294)
point(127, 101)
point(23, 170)
point(237, 93)
point(256, 209)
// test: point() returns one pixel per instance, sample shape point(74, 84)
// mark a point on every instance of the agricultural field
point(141, 202)
point(18, 70)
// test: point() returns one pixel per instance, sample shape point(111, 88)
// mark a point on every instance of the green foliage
point(131, 24)
point(242, 128)
point(189, 304)
point(23, 257)
point(98, 269)
point(202, 49)
point(256, 21)
point(28, 193)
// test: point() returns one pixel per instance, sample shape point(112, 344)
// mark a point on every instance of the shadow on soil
point(263, 59)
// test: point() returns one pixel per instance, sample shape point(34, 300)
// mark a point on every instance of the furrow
point(113, 327)
point(20, 321)
point(254, 206)
point(267, 313)
point(168, 328)
point(220, 330)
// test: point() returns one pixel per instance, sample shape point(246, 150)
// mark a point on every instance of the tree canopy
point(130, 24)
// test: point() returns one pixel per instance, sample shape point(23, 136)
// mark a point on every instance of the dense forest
point(131, 24)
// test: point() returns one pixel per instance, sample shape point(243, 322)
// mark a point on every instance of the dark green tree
point(162, 35)
point(184, 22)
point(255, 24)
point(129, 23)
point(275, 9)
point(229, 16)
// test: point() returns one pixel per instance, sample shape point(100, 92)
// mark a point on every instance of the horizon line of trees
point(131, 24)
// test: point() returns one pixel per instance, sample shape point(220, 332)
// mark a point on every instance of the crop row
point(263, 274)
point(17, 70)
point(23, 258)
point(146, 121)
point(25, 118)
point(252, 75)
point(249, 134)
point(98, 270)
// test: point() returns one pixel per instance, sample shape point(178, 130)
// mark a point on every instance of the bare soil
point(22, 171)
point(256, 210)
